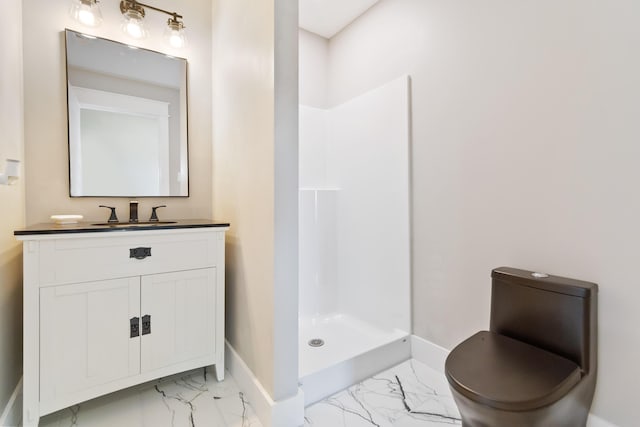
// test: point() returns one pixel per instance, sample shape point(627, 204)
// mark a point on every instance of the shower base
point(352, 351)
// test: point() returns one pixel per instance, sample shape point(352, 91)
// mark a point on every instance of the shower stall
point(354, 228)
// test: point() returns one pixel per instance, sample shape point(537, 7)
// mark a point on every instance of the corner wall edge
point(287, 412)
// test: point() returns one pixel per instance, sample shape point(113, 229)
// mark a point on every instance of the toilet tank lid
point(563, 285)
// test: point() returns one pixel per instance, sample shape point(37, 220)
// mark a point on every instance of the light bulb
point(174, 34)
point(86, 17)
point(86, 12)
point(133, 24)
point(176, 40)
point(134, 29)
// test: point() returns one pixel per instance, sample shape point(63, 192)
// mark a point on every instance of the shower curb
point(328, 381)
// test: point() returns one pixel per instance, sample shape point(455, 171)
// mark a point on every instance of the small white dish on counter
point(66, 219)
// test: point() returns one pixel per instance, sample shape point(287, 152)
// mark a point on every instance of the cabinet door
point(85, 338)
point(181, 307)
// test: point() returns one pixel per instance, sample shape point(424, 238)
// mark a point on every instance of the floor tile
point(408, 395)
point(178, 401)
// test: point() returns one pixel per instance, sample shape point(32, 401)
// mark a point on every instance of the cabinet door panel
point(182, 309)
point(85, 336)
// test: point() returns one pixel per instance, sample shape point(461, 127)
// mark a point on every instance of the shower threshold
point(352, 351)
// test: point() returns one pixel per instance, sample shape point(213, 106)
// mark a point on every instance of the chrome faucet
point(133, 211)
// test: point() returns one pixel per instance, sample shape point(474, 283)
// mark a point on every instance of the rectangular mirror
point(127, 112)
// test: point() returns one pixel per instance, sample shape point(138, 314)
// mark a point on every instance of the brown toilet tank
point(550, 312)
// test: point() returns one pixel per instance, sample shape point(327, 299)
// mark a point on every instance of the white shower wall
point(313, 147)
point(354, 209)
point(318, 261)
point(317, 218)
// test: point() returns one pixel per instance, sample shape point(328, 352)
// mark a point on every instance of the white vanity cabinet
point(107, 310)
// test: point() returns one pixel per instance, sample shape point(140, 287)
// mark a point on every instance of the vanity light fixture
point(174, 33)
point(86, 12)
point(133, 23)
point(133, 12)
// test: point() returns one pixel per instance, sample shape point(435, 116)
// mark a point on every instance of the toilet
point(536, 366)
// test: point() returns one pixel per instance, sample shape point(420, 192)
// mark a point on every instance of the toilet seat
point(507, 374)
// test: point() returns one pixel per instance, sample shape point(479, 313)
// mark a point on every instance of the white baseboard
point(434, 357)
point(12, 414)
point(281, 413)
point(596, 421)
point(428, 353)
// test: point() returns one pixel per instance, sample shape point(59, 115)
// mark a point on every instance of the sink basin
point(135, 224)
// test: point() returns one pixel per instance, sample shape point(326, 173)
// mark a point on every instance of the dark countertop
point(91, 227)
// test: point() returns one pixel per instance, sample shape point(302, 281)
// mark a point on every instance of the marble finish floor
point(179, 401)
point(408, 395)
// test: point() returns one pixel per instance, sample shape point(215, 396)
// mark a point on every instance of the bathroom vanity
point(110, 306)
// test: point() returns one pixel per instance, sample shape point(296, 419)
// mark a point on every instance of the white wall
point(313, 146)
point(255, 182)
point(525, 153)
point(286, 199)
point(11, 198)
point(46, 167)
point(313, 62)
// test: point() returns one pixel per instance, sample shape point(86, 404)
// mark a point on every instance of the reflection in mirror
point(127, 120)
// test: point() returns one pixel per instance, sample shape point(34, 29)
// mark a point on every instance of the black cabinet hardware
point(139, 253)
point(134, 325)
point(146, 324)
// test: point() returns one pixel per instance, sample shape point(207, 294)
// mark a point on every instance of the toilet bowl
point(536, 366)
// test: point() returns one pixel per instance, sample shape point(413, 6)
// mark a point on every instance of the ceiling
point(327, 17)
